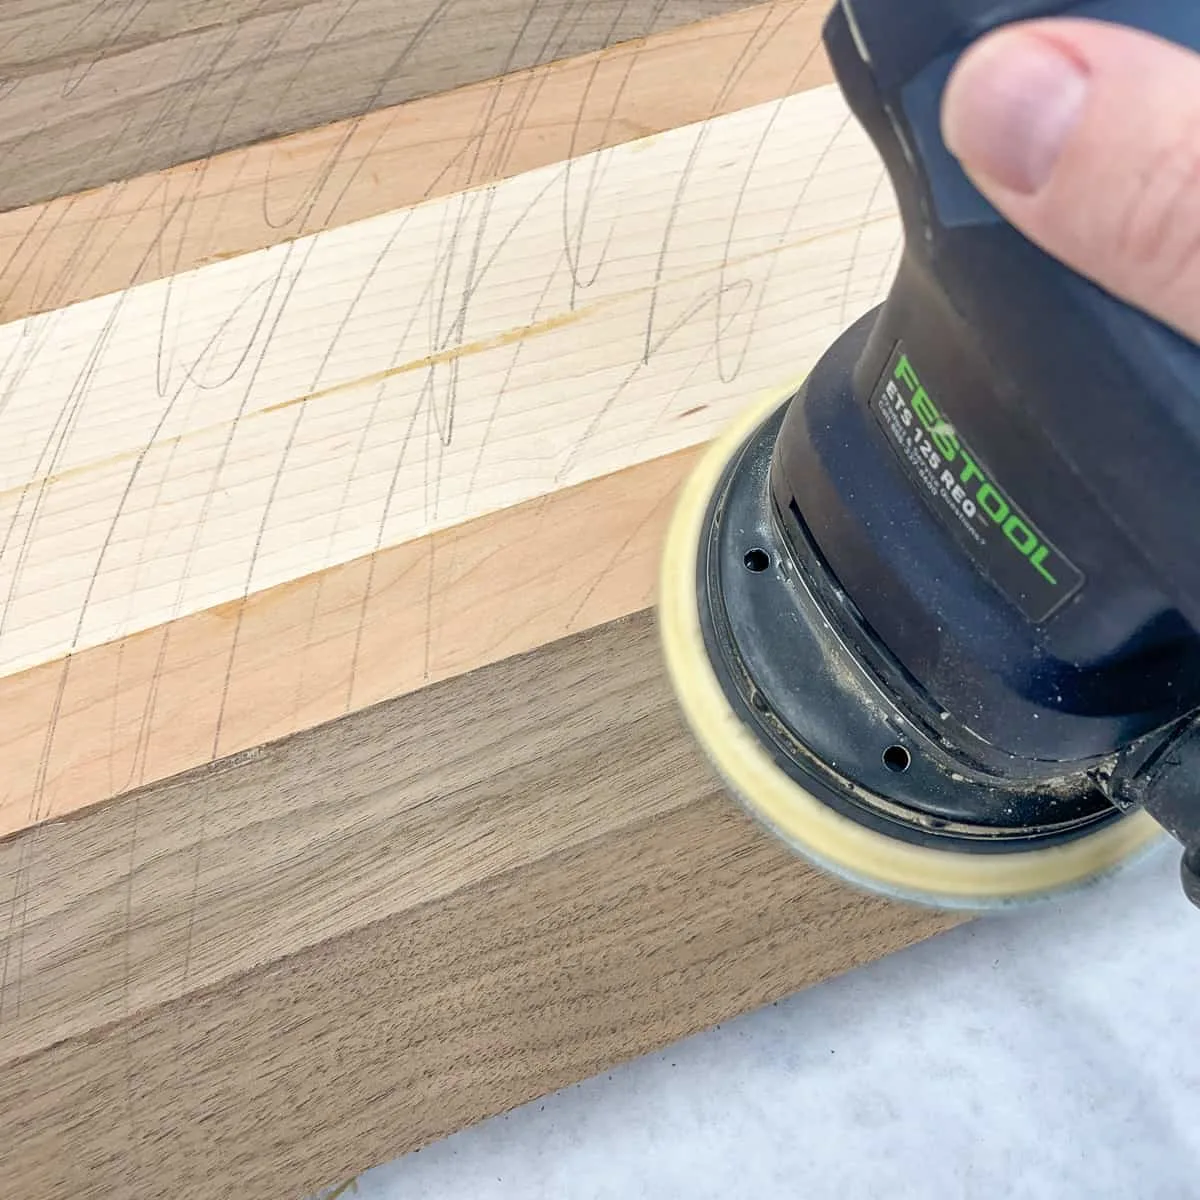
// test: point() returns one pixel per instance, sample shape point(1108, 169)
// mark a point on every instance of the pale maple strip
point(191, 440)
point(83, 729)
point(108, 239)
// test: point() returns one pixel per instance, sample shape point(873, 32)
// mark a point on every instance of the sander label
point(1004, 542)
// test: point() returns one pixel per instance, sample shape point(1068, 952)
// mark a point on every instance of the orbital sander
point(935, 616)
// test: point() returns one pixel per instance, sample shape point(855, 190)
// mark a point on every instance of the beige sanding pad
point(941, 878)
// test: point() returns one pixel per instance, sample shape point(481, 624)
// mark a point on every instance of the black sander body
point(935, 616)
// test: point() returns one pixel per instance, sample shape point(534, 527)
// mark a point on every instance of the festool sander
point(935, 616)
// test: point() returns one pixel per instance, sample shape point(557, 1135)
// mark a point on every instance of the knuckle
point(1158, 230)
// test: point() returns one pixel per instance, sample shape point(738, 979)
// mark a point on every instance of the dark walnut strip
point(105, 90)
point(270, 974)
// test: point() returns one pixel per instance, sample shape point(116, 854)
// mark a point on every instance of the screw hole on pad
point(897, 758)
point(757, 560)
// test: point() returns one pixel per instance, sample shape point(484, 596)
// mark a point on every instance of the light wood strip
point(193, 440)
point(125, 714)
point(274, 973)
point(104, 240)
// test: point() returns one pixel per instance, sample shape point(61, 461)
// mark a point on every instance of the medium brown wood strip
point(216, 872)
point(282, 971)
point(133, 230)
point(110, 90)
point(81, 730)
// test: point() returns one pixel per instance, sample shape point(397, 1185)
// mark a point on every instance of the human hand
point(1086, 136)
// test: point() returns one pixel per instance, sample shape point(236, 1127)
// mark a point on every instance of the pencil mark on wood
point(412, 879)
point(128, 86)
point(402, 464)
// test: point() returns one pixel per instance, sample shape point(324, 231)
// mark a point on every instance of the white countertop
point(1052, 1053)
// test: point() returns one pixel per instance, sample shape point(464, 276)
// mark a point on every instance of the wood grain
point(82, 245)
point(108, 90)
point(192, 440)
point(125, 714)
point(276, 973)
point(216, 872)
point(327, 440)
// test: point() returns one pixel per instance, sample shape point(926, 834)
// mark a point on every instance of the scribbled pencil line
point(68, 281)
point(305, 254)
point(682, 185)
point(510, 129)
point(269, 505)
point(443, 256)
point(649, 515)
point(765, 32)
point(199, 85)
point(366, 426)
point(79, 72)
point(38, 52)
point(443, 259)
point(218, 132)
point(20, 357)
point(185, 212)
point(393, 483)
point(127, 979)
point(390, 72)
point(42, 775)
point(31, 845)
point(34, 260)
point(52, 449)
point(505, 136)
point(453, 330)
point(45, 758)
point(301, 75)
point(793, 213)
point(597, 164)
point(442, 332)
point(427, 640)
point(474, 175)
point(256, 551)
point(174, 112)
point(501, 389)
point(442, 262)
point(442, 326)
point(574, 245)
point(664, 338)
point(650, 346)
point(700, 136)
point(371, 561)
point(15, 898)
point(138, 757)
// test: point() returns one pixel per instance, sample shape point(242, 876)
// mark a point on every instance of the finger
point(1086, 136)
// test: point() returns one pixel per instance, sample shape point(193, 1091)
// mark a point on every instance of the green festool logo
point(966, 482)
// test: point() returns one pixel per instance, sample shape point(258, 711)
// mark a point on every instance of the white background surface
point(1054, 1053)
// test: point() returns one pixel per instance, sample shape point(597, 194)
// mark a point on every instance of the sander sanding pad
point(864, 857)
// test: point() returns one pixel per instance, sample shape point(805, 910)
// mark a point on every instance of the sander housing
point(936, 614)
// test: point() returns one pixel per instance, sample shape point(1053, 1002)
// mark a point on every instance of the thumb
point(1086, 136)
